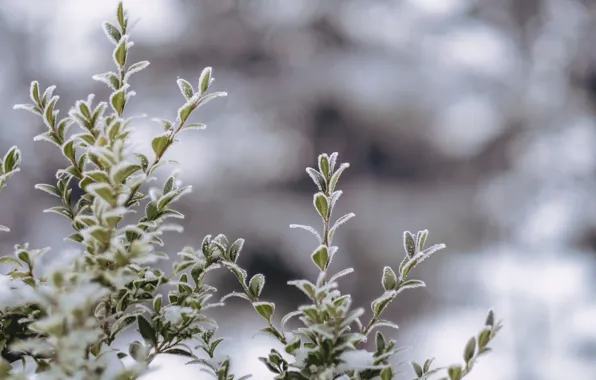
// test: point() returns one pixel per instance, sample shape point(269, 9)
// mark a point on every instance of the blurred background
point(472, 118)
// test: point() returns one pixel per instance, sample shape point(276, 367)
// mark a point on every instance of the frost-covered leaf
point(317, 178)
point(470, 349)
point(195, 126)
point(110, 78)
point(417, 369)
point(136, 67)
point(389, 279)
point(185, 88)
point(335, 177)
point(306, 286)
point(121, 52)
point(411, 284)
point(160, 144)
point(321, 204)
point(205, 79)
point(378, 305)
point(112, 32)
point(309, 229)
point(341, 274)
point(265, 309)
point(146, 330)
point(235, 249)
point(235, 294)
point(118, 100)
point(256, 284)
point(409, 244)
point(324, 165)
point(320, 257)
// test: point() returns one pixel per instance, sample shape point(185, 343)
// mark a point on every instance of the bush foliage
point(62, 321)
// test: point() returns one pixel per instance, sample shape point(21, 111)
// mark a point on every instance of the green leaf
point(265, 309)
point(61, 210)
point(483, 338)
point(68, 149)
point(49, 111)
point(235, 294)
point(143, 160)
point(77, 238)
point(293, 345)
point(47, 95)
point(417, 369)
point(34, 92)
point(118, 100)
point(490, 319)
point(185, 88)
point(48, 189)
point(454, 372)
point(324, 165)
point(205, 79)
point(112, 32)
point(110, 78)
point(238, 272)
point(386, 373)
point(317, 178)
point(28, 107)
point(470, 349)
point(179, 351)
point(136, 67)
point(185, 111)
point(235, 249)
point(427, 364)
point(123, 171)
point(99, 233)
point(146, 330)
point(122, 323)
point(120, 15)
point(409, 244)
point(7, 260)
point(256, 284)
point(336, 175)
point(421, 239)
point(160, 144)
point(406, 266)
point(120, 52)
point(24, 257)
point(411, 284)
point(320, 257)
point(305, 286)
point(378, 305)
point(380, 343)
point(102, 190)
point(321, 204)
point(389, 280)
point(11, 160)
point(172, 196)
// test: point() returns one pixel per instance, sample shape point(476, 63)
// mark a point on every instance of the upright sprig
point(476, 347)
point(9, 165)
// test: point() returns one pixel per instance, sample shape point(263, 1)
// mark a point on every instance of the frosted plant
point(63, 320)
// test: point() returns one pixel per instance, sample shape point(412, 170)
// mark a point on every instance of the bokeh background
point(472, 118)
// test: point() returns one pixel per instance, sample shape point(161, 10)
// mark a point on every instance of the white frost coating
point(173, 314)
point(355, 360)
point(14, 293)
